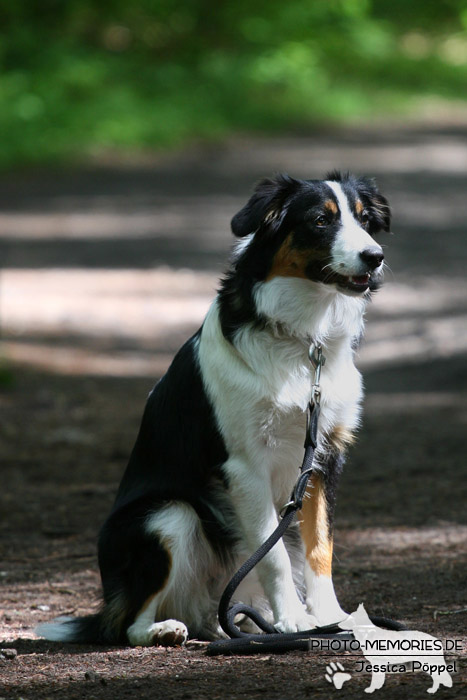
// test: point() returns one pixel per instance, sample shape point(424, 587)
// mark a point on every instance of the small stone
point(90, 676)
point(8, 654)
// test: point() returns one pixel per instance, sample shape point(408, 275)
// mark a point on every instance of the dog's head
point(321, 230)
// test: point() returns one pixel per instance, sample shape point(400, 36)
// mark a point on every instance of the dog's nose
point(373, 257)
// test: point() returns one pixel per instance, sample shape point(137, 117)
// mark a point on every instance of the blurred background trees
point(79, 77)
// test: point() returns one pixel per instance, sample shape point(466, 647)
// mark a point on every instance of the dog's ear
point(266, 207)
point(380, 212)
point(378, 206)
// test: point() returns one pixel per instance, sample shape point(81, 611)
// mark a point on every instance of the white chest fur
point(260, 386)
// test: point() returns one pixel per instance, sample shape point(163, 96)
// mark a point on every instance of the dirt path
point(106, 270)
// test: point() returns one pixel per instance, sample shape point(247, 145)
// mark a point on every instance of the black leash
point(273, 641)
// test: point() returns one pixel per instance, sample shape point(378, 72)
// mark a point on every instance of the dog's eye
point(321, 221)
point(364, 219)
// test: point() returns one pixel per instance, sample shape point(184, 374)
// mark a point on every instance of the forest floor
point(106, 270)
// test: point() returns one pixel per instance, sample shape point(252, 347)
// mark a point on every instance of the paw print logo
point(335, 674)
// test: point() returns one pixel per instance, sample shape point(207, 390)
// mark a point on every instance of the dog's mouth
point(353, 283)
point(356, 283)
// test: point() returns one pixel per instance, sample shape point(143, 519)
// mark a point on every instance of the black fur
point(178, 455)
point(366, 190)
point(179, 451)
point(280, 206)
point(267, 206)
point(332, 468)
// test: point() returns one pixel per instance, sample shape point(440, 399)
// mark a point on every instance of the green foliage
point(82, 75)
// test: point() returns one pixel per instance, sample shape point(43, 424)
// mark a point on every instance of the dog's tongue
point(360, 279)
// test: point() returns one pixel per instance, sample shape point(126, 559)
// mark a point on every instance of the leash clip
point(298, 493)
point(318, 360)
point(284, 508)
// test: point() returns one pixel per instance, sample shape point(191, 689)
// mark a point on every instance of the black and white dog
point(221, 440)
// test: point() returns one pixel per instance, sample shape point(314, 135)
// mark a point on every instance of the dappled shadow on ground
point(109, 672)
point(177, 677)
point(176, 210)
point(122, 253)
point(139, 249)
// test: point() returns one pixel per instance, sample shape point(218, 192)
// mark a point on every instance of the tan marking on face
point(358, 207)
point(331, 206)
point(314, 528)
point(288, 261)
point(340, 438)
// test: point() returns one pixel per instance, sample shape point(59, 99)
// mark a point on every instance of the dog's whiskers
point(387, 267)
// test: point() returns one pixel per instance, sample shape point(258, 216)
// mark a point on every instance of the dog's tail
point(80, 630)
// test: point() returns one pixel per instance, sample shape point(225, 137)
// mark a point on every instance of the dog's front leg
point(315, 526)
point(253, 502)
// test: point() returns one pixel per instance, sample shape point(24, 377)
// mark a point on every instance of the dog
point(221, 439)
point(380, 646)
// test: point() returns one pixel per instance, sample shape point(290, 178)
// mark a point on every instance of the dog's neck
point(307, 311)
point(294, 313)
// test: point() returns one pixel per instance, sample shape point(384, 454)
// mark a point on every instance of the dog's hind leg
point(186, 594)
point(156, 564)
point(145, 632)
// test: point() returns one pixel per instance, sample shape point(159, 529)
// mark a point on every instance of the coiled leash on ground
point(273, 641)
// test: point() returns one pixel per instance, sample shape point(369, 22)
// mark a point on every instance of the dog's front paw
point(297, 623)
point(326, 614)
point(169, 633)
